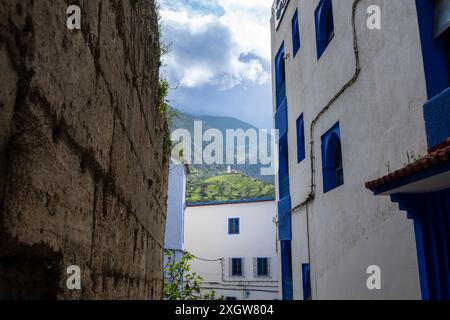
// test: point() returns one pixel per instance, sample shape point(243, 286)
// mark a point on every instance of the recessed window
point(332, 165)
point(300, 139)
point(283, 171)
point(295, 33)
point(233, 226)
point(262, 267)
point(324, 25)
point(237, 267)
point(280, 76)
point(442, 28)
point(306, 282)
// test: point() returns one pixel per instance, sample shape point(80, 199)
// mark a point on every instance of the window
point(286, 269)
point(295, 33)
point(442, 17)
point(280, 76)
point(237, 267)
point(283, 172)
point(338, 168)
point(300, 139)
point(324, 26)
point(262, 267)
point(233, 226)
point(306, 282)
point(332, 165)
point(442, 28)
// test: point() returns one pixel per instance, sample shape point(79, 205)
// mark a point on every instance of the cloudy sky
point(220, 56)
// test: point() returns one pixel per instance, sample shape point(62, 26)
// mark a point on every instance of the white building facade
point(235, 248)
point(348, 102)
point(176, 204)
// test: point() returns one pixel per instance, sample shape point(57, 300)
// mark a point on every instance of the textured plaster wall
point(83, 175)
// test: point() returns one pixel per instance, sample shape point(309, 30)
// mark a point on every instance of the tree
point(182, 284)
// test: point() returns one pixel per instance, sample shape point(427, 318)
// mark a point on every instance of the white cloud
point(210, 37)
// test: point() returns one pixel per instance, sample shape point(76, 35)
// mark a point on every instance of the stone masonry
point(83, 171)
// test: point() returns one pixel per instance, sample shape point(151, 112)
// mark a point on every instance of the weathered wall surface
point(83, 174)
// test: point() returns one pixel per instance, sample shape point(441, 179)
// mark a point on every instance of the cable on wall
point(312, 194)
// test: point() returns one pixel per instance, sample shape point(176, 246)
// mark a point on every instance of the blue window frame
point(236, 267)
point(434, 26)
point(435, 45)
point(262, 267)
point(280, 76)
point(300, 139)
point(306, 282)
point(295, 33)
point(286, 269)
point(283, 172)
point(233, 226)
point(332, 166)
point(324, 25)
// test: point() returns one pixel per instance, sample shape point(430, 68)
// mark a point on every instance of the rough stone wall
point(83, 172)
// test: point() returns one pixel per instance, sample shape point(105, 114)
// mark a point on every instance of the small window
point(280, 76)
point(295, 33)
point(442, 17)
point(306, 282)
point(332, 165)
point(442, 28)
point(338, 168)
point(262, 267)
point(324, 26)
point(236, 267)
point(233, 226)
point(300, 139)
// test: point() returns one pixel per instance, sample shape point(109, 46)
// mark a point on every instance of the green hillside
point(226, 187)
point(181, 120)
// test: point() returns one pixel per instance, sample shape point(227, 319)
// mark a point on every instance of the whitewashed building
point(176, 205)
point(349, 102)
point(235, 248)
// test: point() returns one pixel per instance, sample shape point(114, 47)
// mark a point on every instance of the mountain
point(181, 120)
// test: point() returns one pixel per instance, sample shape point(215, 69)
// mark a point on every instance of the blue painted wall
point(431, 215)
point(434, 60)
point(437, 109)
point(437, 118)
point(284, 204)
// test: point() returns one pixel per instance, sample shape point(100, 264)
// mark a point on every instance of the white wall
point(380, 121)
point(206, 236)
point(175, 208)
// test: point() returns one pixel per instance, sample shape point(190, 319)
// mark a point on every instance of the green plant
point(163, 92)
point(181, 283)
